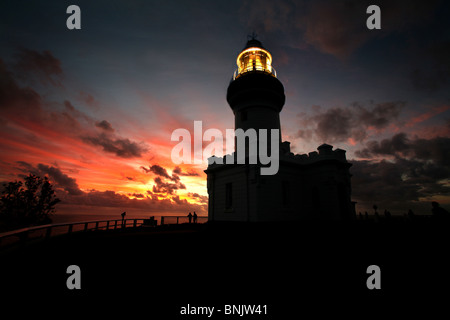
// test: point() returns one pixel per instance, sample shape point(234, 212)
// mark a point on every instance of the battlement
point(324, 152)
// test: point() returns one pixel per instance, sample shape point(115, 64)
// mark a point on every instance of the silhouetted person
point(360, 216)
point(123, 214)
point(387, 214)
point(190, 217)
point(195, 217)
point(366, 215)
point(438, 211)
point(410, 214)
point(376, 216)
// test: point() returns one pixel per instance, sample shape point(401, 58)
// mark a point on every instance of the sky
point(94, 109)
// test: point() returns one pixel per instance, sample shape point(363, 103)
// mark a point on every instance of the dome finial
point(252, 36)
point(252, 41)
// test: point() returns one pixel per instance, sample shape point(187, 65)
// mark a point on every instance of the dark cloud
point(89, 100)
point(106, 198)
point(190, 173)
point(162, 172)
point(179, 201)
point(162, 199)
point(162, 187)
point(268, 15)
point(381, 183)
point(121, 147)
point(63, 180)
point(69, 121)
point(416, 169)
point(137, 195)
point(56, 176)
point(12, 95)
point(332, 27)
point(202, 199)
point(435, 149)
point(27, 168)
point(150, 202)
point(399, 184)
point(74, 112)
point(105, 125)
point(329, 24)
point(44, 66)
point(341, 123)
point(23, 106)
point(145, 169)
point(111, 143)
point(398, 143)
point(18, 104)
point(380, 115)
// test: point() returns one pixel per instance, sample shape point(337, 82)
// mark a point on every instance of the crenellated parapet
point(324, 152)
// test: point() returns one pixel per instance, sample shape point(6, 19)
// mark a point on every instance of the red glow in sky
point(94, 109)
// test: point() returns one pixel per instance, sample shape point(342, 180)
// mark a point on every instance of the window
point(228, 195)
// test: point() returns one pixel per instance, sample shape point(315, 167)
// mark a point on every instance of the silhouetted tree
point(28, 203)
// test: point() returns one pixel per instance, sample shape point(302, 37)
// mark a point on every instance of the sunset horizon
point(94, 109)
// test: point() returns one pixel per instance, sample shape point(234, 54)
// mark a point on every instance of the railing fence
point(46, 231)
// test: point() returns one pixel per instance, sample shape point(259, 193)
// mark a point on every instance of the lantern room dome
point(254, 58)
point(253, 43)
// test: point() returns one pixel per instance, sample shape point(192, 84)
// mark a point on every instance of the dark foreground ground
point(297, 270)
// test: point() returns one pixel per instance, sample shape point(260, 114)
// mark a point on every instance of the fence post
point(178, 219)
point(86, 226)
point(70, 228)
point(115, 224)
point(48, 232)
point(107, 225)
point(162, 220)
point(23, 236)
point(96, 226)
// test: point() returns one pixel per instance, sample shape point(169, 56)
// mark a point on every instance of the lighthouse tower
point(313, 186)
point(255, 95)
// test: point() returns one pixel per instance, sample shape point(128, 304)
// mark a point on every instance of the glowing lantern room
point(254, 58)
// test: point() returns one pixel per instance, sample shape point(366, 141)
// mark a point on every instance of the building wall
point(217, 190)
point(319, 190)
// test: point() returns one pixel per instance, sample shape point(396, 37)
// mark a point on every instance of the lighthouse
point(306, 186)
point(255, 95)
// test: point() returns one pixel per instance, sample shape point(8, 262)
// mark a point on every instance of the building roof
point(325, 146)
point(253, 43)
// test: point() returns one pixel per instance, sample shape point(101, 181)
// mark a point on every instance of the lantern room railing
point(270, 71)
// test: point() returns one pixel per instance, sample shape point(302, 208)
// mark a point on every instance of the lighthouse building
point(305, 187)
